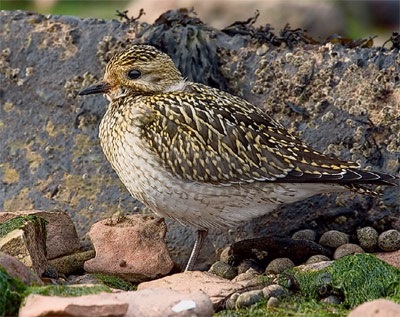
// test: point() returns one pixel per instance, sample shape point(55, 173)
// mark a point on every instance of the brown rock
point(133, 248)
point(376, 308)
point(103, 304)
point(347, 249)
point(216, 288)
point(27, 244)
point(333, 239)
point(392, 258)
point(18, 270)
point(61, 236)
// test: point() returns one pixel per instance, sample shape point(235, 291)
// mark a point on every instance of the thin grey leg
point(201, 235)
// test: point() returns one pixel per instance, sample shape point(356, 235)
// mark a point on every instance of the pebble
point(347, 249)
point(331, 299)
point(389, 240)
point(279, 265)
point(273, 290)
point(223, 270)
point(225, 255)
point(248, 298)
point(272, 302)
point(246, 276)
point(231, 301)
point(248, 264)
point(333, 239)
point(305, 234)
point(367, 238)
point(317, 258)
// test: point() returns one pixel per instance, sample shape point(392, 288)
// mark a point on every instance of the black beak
point(95, 89)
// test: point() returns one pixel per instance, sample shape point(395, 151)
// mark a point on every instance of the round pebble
point(389, 240)
point(248, 264)
point(332, 299)
point(273, 290)
point(368, 238)
point(223, 270)
point(231, 301)
point(347, 249)
point(305, 234)
point(249, 298)
point(317, 258)
point(334, 239)
point(272, 302)
point(279, 265)
point(246, 276)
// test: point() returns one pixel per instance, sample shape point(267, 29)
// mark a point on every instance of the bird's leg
point(201, 235)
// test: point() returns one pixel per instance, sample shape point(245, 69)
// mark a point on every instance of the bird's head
point(138, 70)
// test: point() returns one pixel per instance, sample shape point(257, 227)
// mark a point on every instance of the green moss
point(11, 291)
point(291, 306)
point(18, 222)
point(357, 278)
point(115, 282)
point(68, 291)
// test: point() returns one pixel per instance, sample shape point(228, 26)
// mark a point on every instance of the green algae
point(11, 294)
point(356, 278)
point(18, 222)
point(66, 290)
point(115, 282)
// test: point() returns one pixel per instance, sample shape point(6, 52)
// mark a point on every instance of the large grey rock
point(342, 101)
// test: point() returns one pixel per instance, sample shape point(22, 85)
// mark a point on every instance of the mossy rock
point(18, 222)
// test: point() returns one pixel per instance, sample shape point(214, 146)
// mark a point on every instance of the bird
point(202, 156)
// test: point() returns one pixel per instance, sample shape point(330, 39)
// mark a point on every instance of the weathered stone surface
point(149, 302)
point(333, 239)
point(61, 236)
point(392, 258)
point(248, 298)
point(367, 238)
point(16, 269)
point(71, 263)
point(133, 248)
point(347, 249)
point(103, 304)
point(50, 155)
point(389, 240)
point(27, 244)
point(376, 308)
point(215, 287)
point(279, 265)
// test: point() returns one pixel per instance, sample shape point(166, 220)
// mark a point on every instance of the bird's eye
point(134, 74)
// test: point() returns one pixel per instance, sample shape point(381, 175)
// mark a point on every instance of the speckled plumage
point(202, 156)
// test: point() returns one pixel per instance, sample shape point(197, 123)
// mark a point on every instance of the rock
point(392, 258)
point(331, 299)
point(249, 298)
point(28, 245)
point(313, 267)
point(18, 270)
point(127, 304)
point(103, 304)
point(305, 234)
point(389, 240)
point(250, 274)
point(71, 263)
point(223, 270)
point(279, 265)
point(367, 238)
point(376, 308)
point(225, 256)
point(272, 302)
point(333, 239)
point(273, 290)
point(215, 287)
point(347, 249)
point(247, 264)
point(133, 249)
point(231, 301)
point(317, 258)
point(61, 236)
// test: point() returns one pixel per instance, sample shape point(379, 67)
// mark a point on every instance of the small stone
point(225, 256)
point(317, 258)
point(305, 234)
point(389, 240)
point(231, 301)
point(279, 265)
point(334, 239)
point(273, 290)
point(223, 270)
point(367, 238)
point(246, 276)
point(272, 302)
point(332, 299)
point(248, 264)
point(249, 298)
point(347, 249)
point(71, 263)
point(376, 308)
